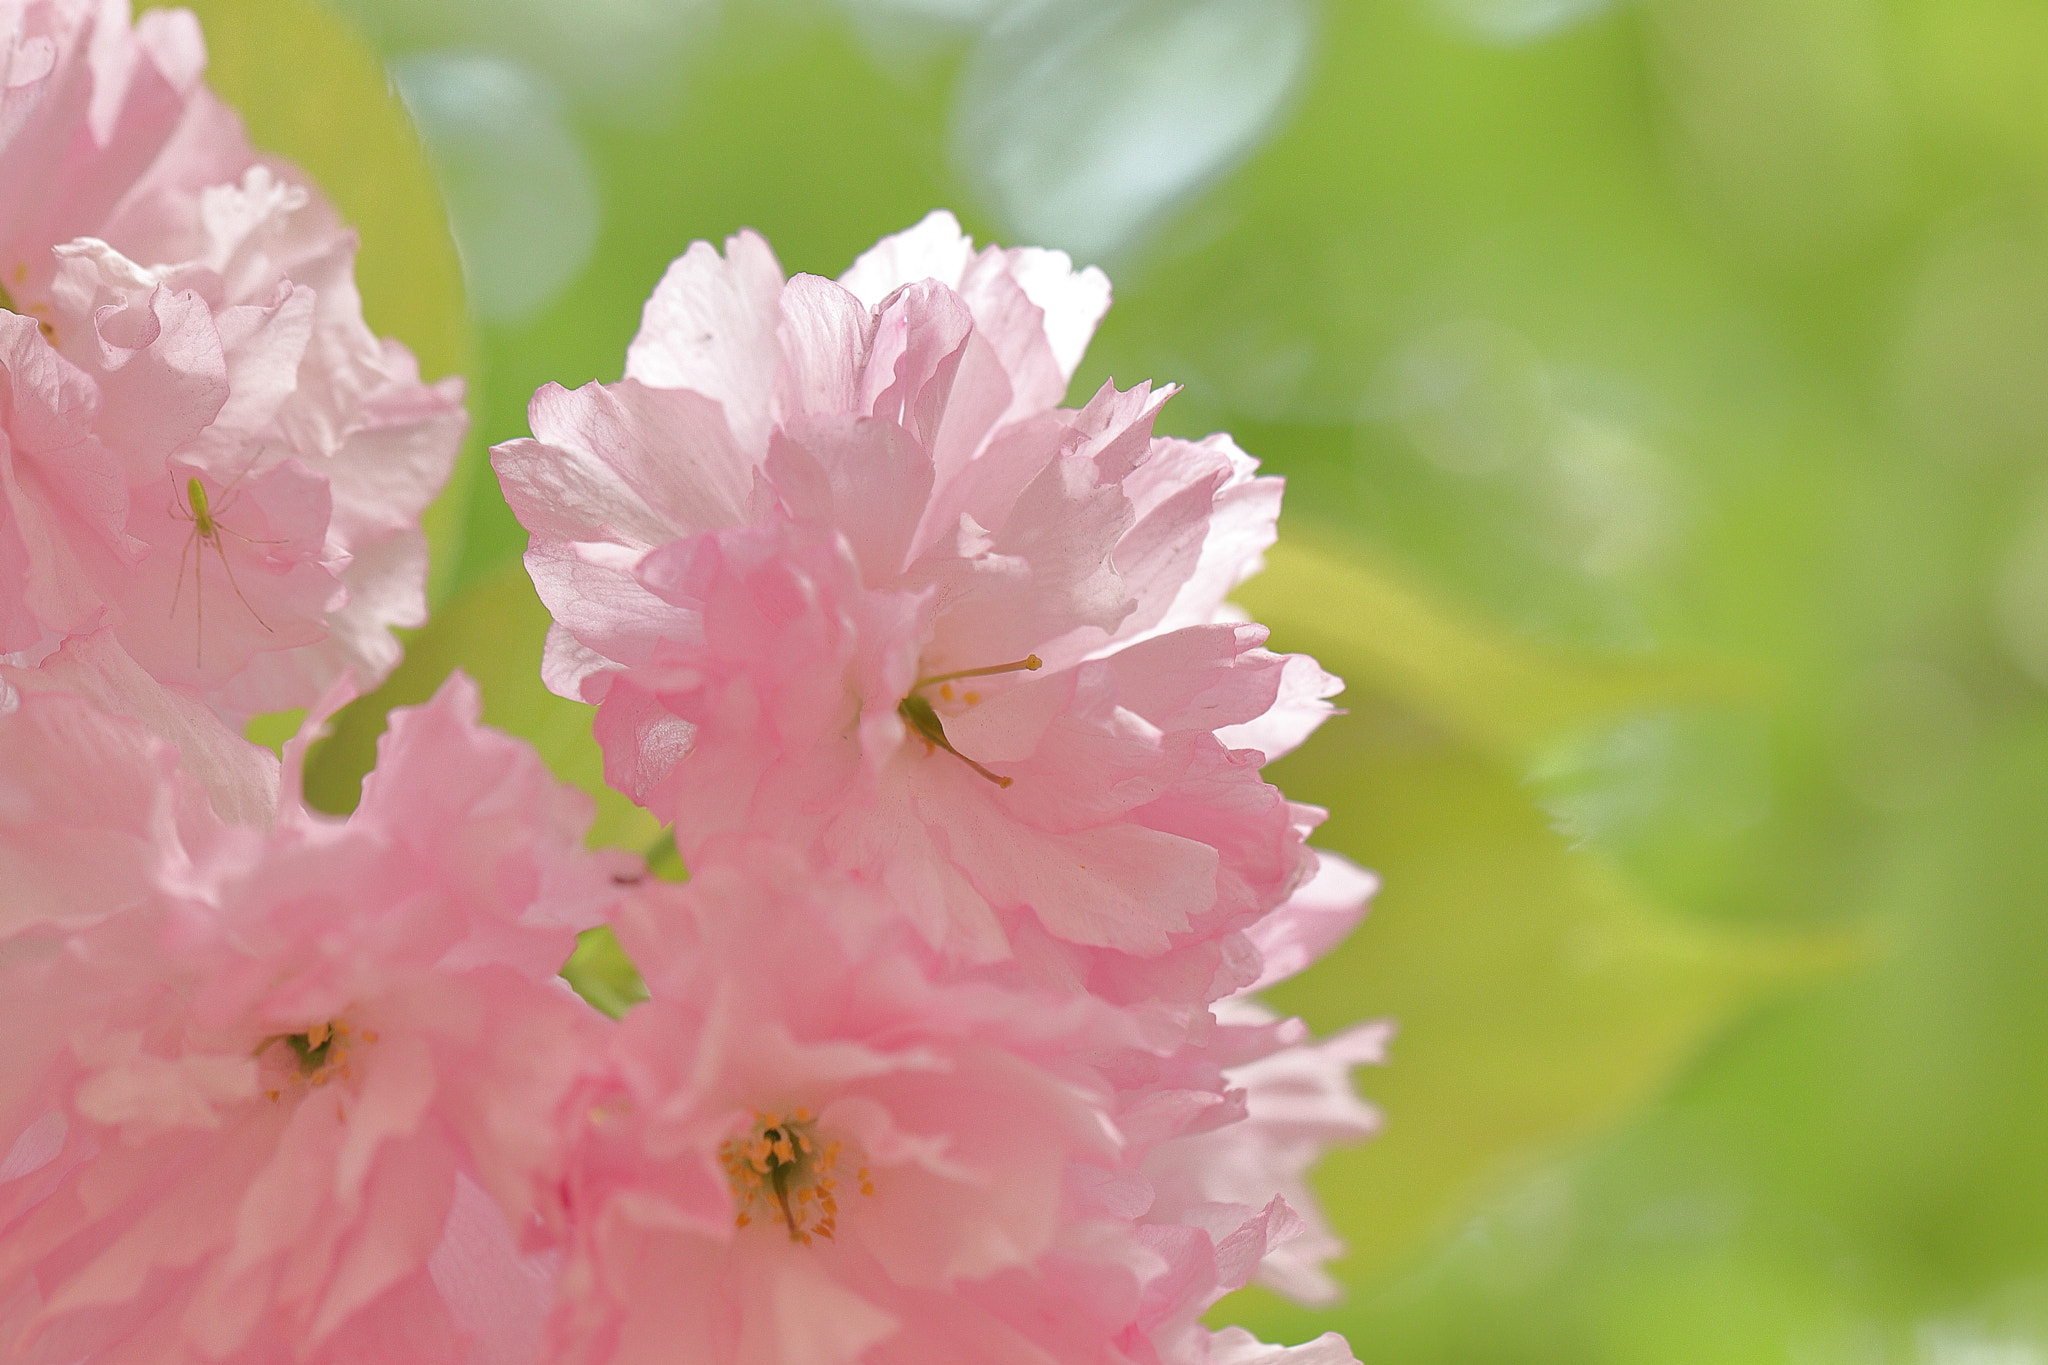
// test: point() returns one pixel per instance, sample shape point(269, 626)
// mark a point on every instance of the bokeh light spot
point(520, 192)
point(1083, 121)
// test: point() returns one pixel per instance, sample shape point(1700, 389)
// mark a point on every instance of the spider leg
point(249, 540)
point(179, 591)
point(229, 492)
point(221, 550)
point(199, 601)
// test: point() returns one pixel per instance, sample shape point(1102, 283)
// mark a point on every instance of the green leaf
point(601, 972)
point(311, 92)
point(1540, 995)
point(1499, 693)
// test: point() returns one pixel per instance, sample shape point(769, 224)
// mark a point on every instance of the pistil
point(922, 717)
point(321, 1052)
point(781, 1166)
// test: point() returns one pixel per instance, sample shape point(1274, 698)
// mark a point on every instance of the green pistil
point(312, 1056)
point(923, 719)
point(779, 1172)
point(318, 1050)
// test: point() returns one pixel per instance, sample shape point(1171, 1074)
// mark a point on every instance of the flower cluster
point(948, 1052)
point(214, 470)
point(252, 1072)
point(814, 1142)
point(949, 1049)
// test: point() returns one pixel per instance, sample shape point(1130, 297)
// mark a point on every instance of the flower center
point(918, 712)
point(321, 1052)
point(782, 1168)
point(35, 310)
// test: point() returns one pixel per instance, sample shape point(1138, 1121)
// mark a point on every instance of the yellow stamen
point(781, 1166)
point(321, 1053)
point(919, 715)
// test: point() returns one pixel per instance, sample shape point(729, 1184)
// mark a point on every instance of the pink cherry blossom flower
point(1297, 1104)
point(1219, 1131)
point(812, 1148)
point(267, 1090)
point(1235, 1346)
point(208, 453)
point(833, 565)
point(805, 1145)
point(1286, 1099)
point(240, 779)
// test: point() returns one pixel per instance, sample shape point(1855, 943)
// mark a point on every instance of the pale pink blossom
point(835, 566)
point(817, 1144)
point(265, 1090)
point(240, 779)
point(206, 451)
point(1297, 1104)
point(806, 1146)
point(1235, 1346)
point(1222, 1128)
point(1292, 1094)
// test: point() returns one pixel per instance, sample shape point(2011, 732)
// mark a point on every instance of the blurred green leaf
point(1500, 693)
point(493, 631)
point(601, 972)
point(276, 728)
point(311, 92)
point(1540, 995)
point(1855, 1169)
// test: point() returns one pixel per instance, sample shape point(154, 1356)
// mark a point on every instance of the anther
point(780, 1167)
point(321, 1052)
point(922, 718)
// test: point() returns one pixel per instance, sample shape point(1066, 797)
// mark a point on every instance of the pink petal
point(710, 326)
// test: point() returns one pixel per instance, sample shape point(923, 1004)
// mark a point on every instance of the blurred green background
point(1663, 390)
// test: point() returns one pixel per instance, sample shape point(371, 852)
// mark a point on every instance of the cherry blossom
point(805, 1145)
point(285, 1093)
point(834, 565)
point(815, 1142)
point(950, 1050)
point(207, 451)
